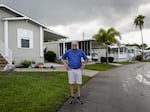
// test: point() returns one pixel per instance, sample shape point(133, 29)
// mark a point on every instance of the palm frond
point(139, 21)
point(107, 36)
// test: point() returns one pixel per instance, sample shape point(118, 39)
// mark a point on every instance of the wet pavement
point(121, 89)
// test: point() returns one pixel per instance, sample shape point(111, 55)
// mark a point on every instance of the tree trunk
point(142, 41)
point(106, 54)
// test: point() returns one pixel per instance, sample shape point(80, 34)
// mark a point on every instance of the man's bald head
point(74, 45)
point(74, 42)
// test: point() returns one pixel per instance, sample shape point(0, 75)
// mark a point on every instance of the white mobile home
point(124, 53)
point(89, 46)
point(22, 38)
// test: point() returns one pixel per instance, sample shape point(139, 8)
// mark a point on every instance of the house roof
point(20, 14)
point(130, 48)
point(24, 17)
point(15, 18)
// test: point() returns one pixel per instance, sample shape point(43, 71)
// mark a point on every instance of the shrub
point(110, 59)
point(33, 62)
point(139, 57)
point(103, 59)
point(50, 56)
point(26, 63)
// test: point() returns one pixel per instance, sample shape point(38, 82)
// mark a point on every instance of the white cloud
point(144, 8)
point(75, 30)
point(125, 24)
point(135, 37)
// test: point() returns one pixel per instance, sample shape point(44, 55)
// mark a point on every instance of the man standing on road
point(72, 61)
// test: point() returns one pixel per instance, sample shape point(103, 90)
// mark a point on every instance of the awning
point(50, 35)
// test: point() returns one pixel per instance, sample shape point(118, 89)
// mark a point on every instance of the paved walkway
point(89, 73)
point(121, 89)
point(115, 64)
point(58, 68)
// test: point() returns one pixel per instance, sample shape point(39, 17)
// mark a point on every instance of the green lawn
point(99, 67)
point(125, 62)
point(33, 91)
point(145, 61)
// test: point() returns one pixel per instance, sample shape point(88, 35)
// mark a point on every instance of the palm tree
point(139, 22)
point(107, 37)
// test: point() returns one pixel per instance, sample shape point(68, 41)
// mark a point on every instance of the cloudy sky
point(73, 17)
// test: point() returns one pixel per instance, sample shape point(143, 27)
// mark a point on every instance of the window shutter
point(18, 39)
point(31, 40)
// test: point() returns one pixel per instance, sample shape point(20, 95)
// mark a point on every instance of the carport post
point(64, 49)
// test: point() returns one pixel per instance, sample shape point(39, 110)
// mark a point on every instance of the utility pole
point(83, 35)
point(83, 43)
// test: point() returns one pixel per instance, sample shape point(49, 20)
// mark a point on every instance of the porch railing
point(6, 52)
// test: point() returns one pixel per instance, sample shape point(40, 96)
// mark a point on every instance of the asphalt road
point(121, 89)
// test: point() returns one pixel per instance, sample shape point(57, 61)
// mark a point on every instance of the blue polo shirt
point(74, 58)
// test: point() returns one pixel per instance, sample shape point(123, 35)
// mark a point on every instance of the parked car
point(147, 57)
point(89, 58)
point(94, 56)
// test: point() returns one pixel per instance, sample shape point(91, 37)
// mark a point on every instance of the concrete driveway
point(121, 89)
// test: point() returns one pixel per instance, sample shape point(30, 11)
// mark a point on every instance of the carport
point(50, 35)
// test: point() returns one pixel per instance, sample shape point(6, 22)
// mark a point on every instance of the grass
point(99, 67)
point(33, 91)
point(125, 62)
point(145, 61)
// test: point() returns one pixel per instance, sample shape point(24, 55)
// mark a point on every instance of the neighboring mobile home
point(22, 38)
point(89, 46)
point(146, 54)
point(124, 53)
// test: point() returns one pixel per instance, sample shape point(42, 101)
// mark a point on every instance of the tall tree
point(107, 37)
point(139, 22)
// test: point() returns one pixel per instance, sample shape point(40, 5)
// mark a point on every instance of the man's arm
point(65, 64)
point(64, 61)
point(83, 64)
point(85, 61)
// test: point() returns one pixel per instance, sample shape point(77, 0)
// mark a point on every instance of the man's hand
point(82, 67)
point(67, 67)
point(65, 64)
point(83, 64)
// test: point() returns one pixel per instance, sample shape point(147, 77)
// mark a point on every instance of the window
point(24, 43)
point(24, 38)
point(61, 49)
